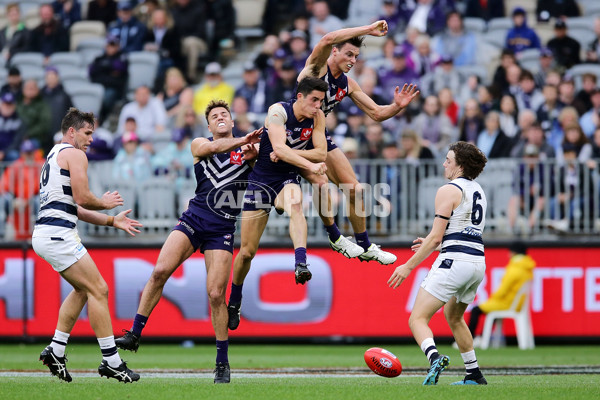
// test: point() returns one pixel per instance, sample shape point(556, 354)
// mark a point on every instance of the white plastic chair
point(522, 320)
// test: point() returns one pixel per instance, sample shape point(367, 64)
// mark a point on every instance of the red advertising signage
point(344, 298)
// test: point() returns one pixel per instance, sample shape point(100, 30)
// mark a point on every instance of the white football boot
point(345, 247)
point(374, 253)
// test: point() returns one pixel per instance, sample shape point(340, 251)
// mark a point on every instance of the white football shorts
point(61, 251)
point(458, 278)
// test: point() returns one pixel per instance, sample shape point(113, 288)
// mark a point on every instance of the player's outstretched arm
point(120, 221)
point(447, 199)
point(77, 164)
point(316, 64)
point(202, 147)
point(402, 98)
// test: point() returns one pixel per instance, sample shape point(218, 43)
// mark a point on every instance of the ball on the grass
point(383, 362)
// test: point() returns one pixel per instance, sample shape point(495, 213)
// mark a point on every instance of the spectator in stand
point(19, 186)
point(176, 158)
point(592, 54)
point(547, 113)
point(188, 120)
point(575, 140)
point(175, 92)
point(508, 116)
point(190, 20)
point(534, 136)
point(55, 97)
point(590, 121)
point(222, 13)
point(392, 15)
point(471, 123)
point(435, 127)
point(162, 38)
point(132, 161)
point(285, 84)
point(104, 11)
point(492, 141)
point(49, 36)
point(213, 88)
point(149, 113)
point(35, 113)
point(546, 65)
point(14, 83)
point(372, 142)
point(596, 145)
point(355, 127)
point(455, 42)
point(253, 89)
point(484, 9)
point(299, 23)
point(264, 59)
point(513, 78)
point(526, 119)
point(487, 101)
point(565, 49)
point(14, 38)
point(111, 71)
point(507, 59)
point(566, 92)
point(568, 116)
point(448, 105)
point(144, 9)
point(443, 76)
point(12, 128)
point(422, 60)
point(427, 16)
point(298, 44)
point(521, 37)
point(102, 147)
point(553, 78)
point(528, 97)
point(399, 72)
point(67, 11)
point(547, 9)
point(583, 101)
point(322, 22)
point(412, 148)
point(127, 28)
point(469, 89)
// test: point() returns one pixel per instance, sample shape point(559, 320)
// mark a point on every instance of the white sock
point(59, 342)
point(470, 361)
point(109, 351)
point(428, 347)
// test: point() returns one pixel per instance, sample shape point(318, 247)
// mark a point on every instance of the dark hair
point(76, 119)
point(215, 104)
point(311, 83)
point(518, 247)
point(469, 157)
point(356, 41)
point(526, 74)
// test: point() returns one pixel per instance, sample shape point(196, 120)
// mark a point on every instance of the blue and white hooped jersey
point(463, 236)
point(221, 182)
point(58, 211)
point(298, 135)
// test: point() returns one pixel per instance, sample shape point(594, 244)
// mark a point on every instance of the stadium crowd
point(519, 81)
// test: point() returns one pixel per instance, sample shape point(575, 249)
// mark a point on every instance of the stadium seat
point(185, 192)
point(32, 72)
point(86, 96)
point(427, 190)
point(522, 319)
point(502, 24)
point(530, 59)
point(362, 12)
point(91, 48)
point(31, 14)
point(27, 58)
point(586, 22)
point(82, 30)
point(66, 58)
point(143, 66)
point(72, 72)
point(249, 19)
point(584, 36)
point(475, 25)
point(467, 70)
point(496, 38)
point(3, 76)
point(578, 70)
point(156, 204)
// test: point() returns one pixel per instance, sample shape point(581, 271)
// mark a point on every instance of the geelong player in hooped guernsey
point(65, 198)
point(334, 56)
point(222, 165)
point(452, 282)
point(275, 181)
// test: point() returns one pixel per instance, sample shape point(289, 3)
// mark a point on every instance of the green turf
point(86, 357)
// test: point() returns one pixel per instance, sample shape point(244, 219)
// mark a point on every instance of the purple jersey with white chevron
point(298, 135)
point(221, 179)
point(338, 89)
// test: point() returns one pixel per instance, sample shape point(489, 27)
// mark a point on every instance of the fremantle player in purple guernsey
point(275, 181)
point(222, 165)
point(330, 60)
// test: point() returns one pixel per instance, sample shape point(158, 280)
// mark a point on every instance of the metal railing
point(541, 200)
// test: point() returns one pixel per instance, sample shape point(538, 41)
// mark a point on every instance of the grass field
point(300, 372)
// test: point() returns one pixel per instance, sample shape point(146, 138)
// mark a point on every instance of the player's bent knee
point(247, 253)
point(160, 275)
point(216, 295)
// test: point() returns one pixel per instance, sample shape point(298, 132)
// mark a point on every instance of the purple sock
point(333, 232)
point(139, 323)
point(300, 253)
point(362, 239)
point(236, 294)
point(222, 346)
